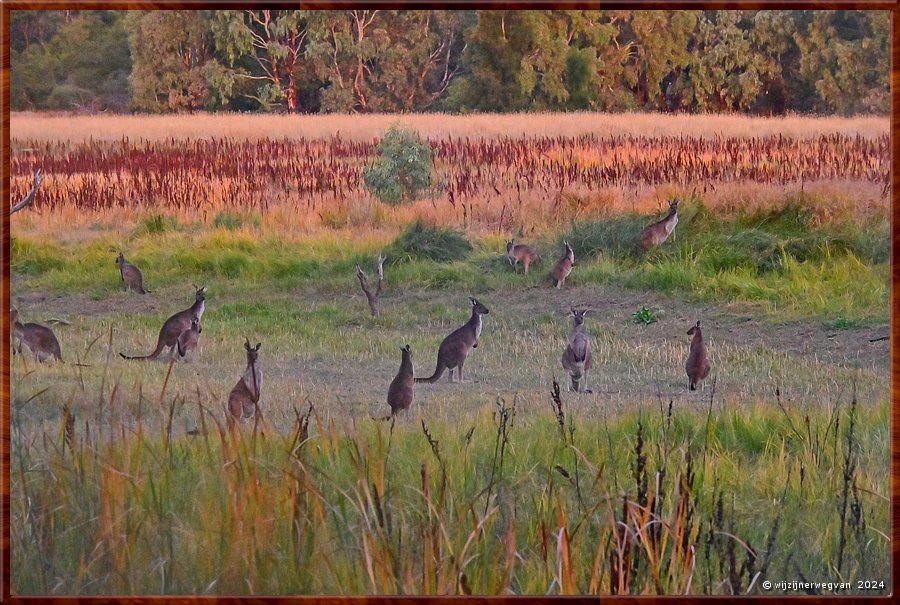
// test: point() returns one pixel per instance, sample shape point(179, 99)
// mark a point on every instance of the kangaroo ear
point(258, 345)
point(203, 289)
point(473, 301)
point(585, 312)
point(698, 323)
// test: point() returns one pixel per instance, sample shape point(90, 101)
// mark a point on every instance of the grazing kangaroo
point(564, 266)
point(576, 359)
point(520, 253)
point(243, 402)
point(400, 393)
point(175, 325)
point(454, 349)
point(697, 366)
point(189, 339)
point(132, 278)
point(655, 234)
point(40, 339)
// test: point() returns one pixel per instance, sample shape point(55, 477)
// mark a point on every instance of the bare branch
point(372, 296)
point(38, 179)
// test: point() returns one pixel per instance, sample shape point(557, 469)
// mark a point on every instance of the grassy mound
point(422, 242)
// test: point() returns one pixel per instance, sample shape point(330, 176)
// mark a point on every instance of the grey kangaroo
point(189, 339)
point(40, 339)
point(564, 266)
point(400, 393)
point(132, 278)
point(697, 366)
point(576, 359)
point(454, 349)
point(243, 401)
point(176, 325)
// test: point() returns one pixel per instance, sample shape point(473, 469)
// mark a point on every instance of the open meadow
point(126, 479)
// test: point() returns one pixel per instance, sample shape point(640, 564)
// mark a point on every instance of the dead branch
point(372, 295)
point(38, 179)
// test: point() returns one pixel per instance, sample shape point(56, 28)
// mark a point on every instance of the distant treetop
point(760, 62)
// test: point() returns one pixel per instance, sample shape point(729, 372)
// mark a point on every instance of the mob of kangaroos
point(173, 328)
point(455, 348)
point(576, 359)
point(40, 339)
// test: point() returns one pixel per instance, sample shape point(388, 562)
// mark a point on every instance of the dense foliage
point(765, 62)
point(402, 168)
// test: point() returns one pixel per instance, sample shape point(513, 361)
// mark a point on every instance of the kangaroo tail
point(153, 355)
point(438, 372)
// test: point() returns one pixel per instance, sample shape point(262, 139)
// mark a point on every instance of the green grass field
point(123, 480)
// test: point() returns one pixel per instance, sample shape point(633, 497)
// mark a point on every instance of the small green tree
point(402, 168)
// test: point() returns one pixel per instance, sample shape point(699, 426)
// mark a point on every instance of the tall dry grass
point(254, 127)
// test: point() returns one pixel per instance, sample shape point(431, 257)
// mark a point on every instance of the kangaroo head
point(200, 294)
point(694, 329)
point(478, 307)
point(509, 245)
point(673, 205)
point(578, 316)
point(569, 252)
point(120, 259)
point(407, 352)
point(252, 352)
point(13, 315)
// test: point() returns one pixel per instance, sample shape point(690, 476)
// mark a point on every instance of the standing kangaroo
point(454, 349)
point(400, 393)
point(564, 266)
point(516, 253)
point(655, 234)
point(697, 366)
point(40, 339)
point(132, 278)
point(189, 339)
point(176, 325)
point(243, 402)
point(576, 359)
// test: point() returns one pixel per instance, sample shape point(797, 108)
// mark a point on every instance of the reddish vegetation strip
point(185, 174)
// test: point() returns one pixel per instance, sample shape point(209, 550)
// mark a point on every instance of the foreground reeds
point(657, 501)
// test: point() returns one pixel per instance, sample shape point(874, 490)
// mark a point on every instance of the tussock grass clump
point(30, 257)
point(231, 220)
point(156, 224)
point(422, 242)
point(615, 236)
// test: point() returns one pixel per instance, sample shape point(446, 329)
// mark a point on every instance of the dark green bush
point(402, 169)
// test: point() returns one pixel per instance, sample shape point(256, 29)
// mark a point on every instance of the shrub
point(419, 241)
point(402, 169)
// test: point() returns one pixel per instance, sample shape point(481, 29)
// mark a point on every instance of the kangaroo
point(132, 278)
point(454, 349)
point(655, 234)
point(243, 402)
point(175, 325)
point(564, 266)
point(400, 393)
point(40, 339)
point(189, 339)
point(576, 359)
point(521, 252)
point(697, 366)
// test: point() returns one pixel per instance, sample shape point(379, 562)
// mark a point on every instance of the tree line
point(763, 62)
